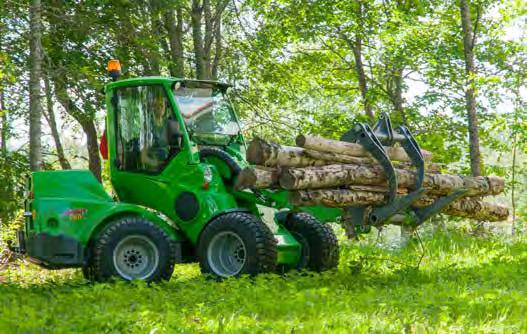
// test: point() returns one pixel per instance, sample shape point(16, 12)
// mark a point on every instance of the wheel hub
point(226, 254)
point(135, 257)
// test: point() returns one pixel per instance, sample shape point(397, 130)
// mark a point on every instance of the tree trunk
point(87, 124)
point(94, 160)
point(35, 103)
point(50, 118)
point(197, 38)
point(513, 182)
point(397, 98)
point(355, 44)
point(470, 94)
point(340, 175)
point(359, 69)
point(218, 49)
point(340, 147)
point(343, 198)
point(156, 28)
point(204, 14)
point(208, 37)
point(174, 27)
point(376, 189)
point(4, 125)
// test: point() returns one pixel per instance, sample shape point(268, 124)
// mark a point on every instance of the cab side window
point(142, 129)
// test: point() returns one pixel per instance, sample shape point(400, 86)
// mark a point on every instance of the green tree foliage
point(297, 66)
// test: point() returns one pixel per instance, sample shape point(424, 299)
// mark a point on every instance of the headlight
point(207, 177)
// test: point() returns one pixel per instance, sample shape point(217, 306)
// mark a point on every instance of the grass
point(464, 284)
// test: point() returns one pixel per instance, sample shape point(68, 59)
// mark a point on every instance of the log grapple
point(375, 140)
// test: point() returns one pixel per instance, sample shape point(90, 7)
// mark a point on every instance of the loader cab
point(153, 119)
point(156, 127)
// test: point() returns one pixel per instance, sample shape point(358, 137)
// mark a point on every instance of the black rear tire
point(132, 248)
point(87, 272)
point(235, 244)
point(320, 248)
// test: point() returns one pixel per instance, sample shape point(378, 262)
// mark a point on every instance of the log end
point(496, 184)
point(255, 151)
point(286, 180)
point(245, 179)
point(300, 140)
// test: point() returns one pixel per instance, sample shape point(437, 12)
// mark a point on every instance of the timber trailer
point(174, 150)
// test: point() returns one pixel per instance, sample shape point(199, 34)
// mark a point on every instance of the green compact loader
point(174, 150)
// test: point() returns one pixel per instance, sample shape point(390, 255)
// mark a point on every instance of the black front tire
point(252, 243)
point(320, 248)
point(152, 244)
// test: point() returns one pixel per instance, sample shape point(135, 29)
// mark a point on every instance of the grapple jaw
point(376, 141)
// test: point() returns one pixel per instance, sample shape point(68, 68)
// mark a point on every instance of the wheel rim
point(135, 257)
point(226, 254)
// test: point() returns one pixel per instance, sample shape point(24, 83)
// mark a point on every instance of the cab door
point(148, 159)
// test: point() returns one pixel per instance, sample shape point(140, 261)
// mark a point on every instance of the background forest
point(454, 72)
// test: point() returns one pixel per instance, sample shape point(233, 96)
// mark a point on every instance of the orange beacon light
point(114, 68)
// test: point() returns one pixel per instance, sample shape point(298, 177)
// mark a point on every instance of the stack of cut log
point(320, 171)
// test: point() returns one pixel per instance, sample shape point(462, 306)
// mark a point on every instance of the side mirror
point(174, 133)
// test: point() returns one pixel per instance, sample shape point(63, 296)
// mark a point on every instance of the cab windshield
point(208, 115)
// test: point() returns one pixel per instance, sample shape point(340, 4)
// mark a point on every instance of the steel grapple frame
point(375, 140)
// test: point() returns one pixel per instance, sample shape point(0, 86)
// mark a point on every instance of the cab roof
point(158, 80)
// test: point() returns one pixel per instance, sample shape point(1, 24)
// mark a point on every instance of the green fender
point(119, 210)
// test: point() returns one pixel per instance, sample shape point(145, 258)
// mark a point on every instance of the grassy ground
point(464, 284)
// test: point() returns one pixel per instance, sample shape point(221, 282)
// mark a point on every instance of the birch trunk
point(340, 175)
point(35, 93)
point(343, 198)
point(4, 126)
point(261, 152)
point(340, 147)
point(470, 93)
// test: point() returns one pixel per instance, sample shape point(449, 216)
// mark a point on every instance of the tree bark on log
point(377, 189)
point(470, 208)
point(261, 152)
point(336, 198)
point(339, 147)
point(340, 175)
point(330, 158)
point(342, 198)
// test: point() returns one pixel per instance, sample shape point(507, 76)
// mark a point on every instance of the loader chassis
point(171, 164)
